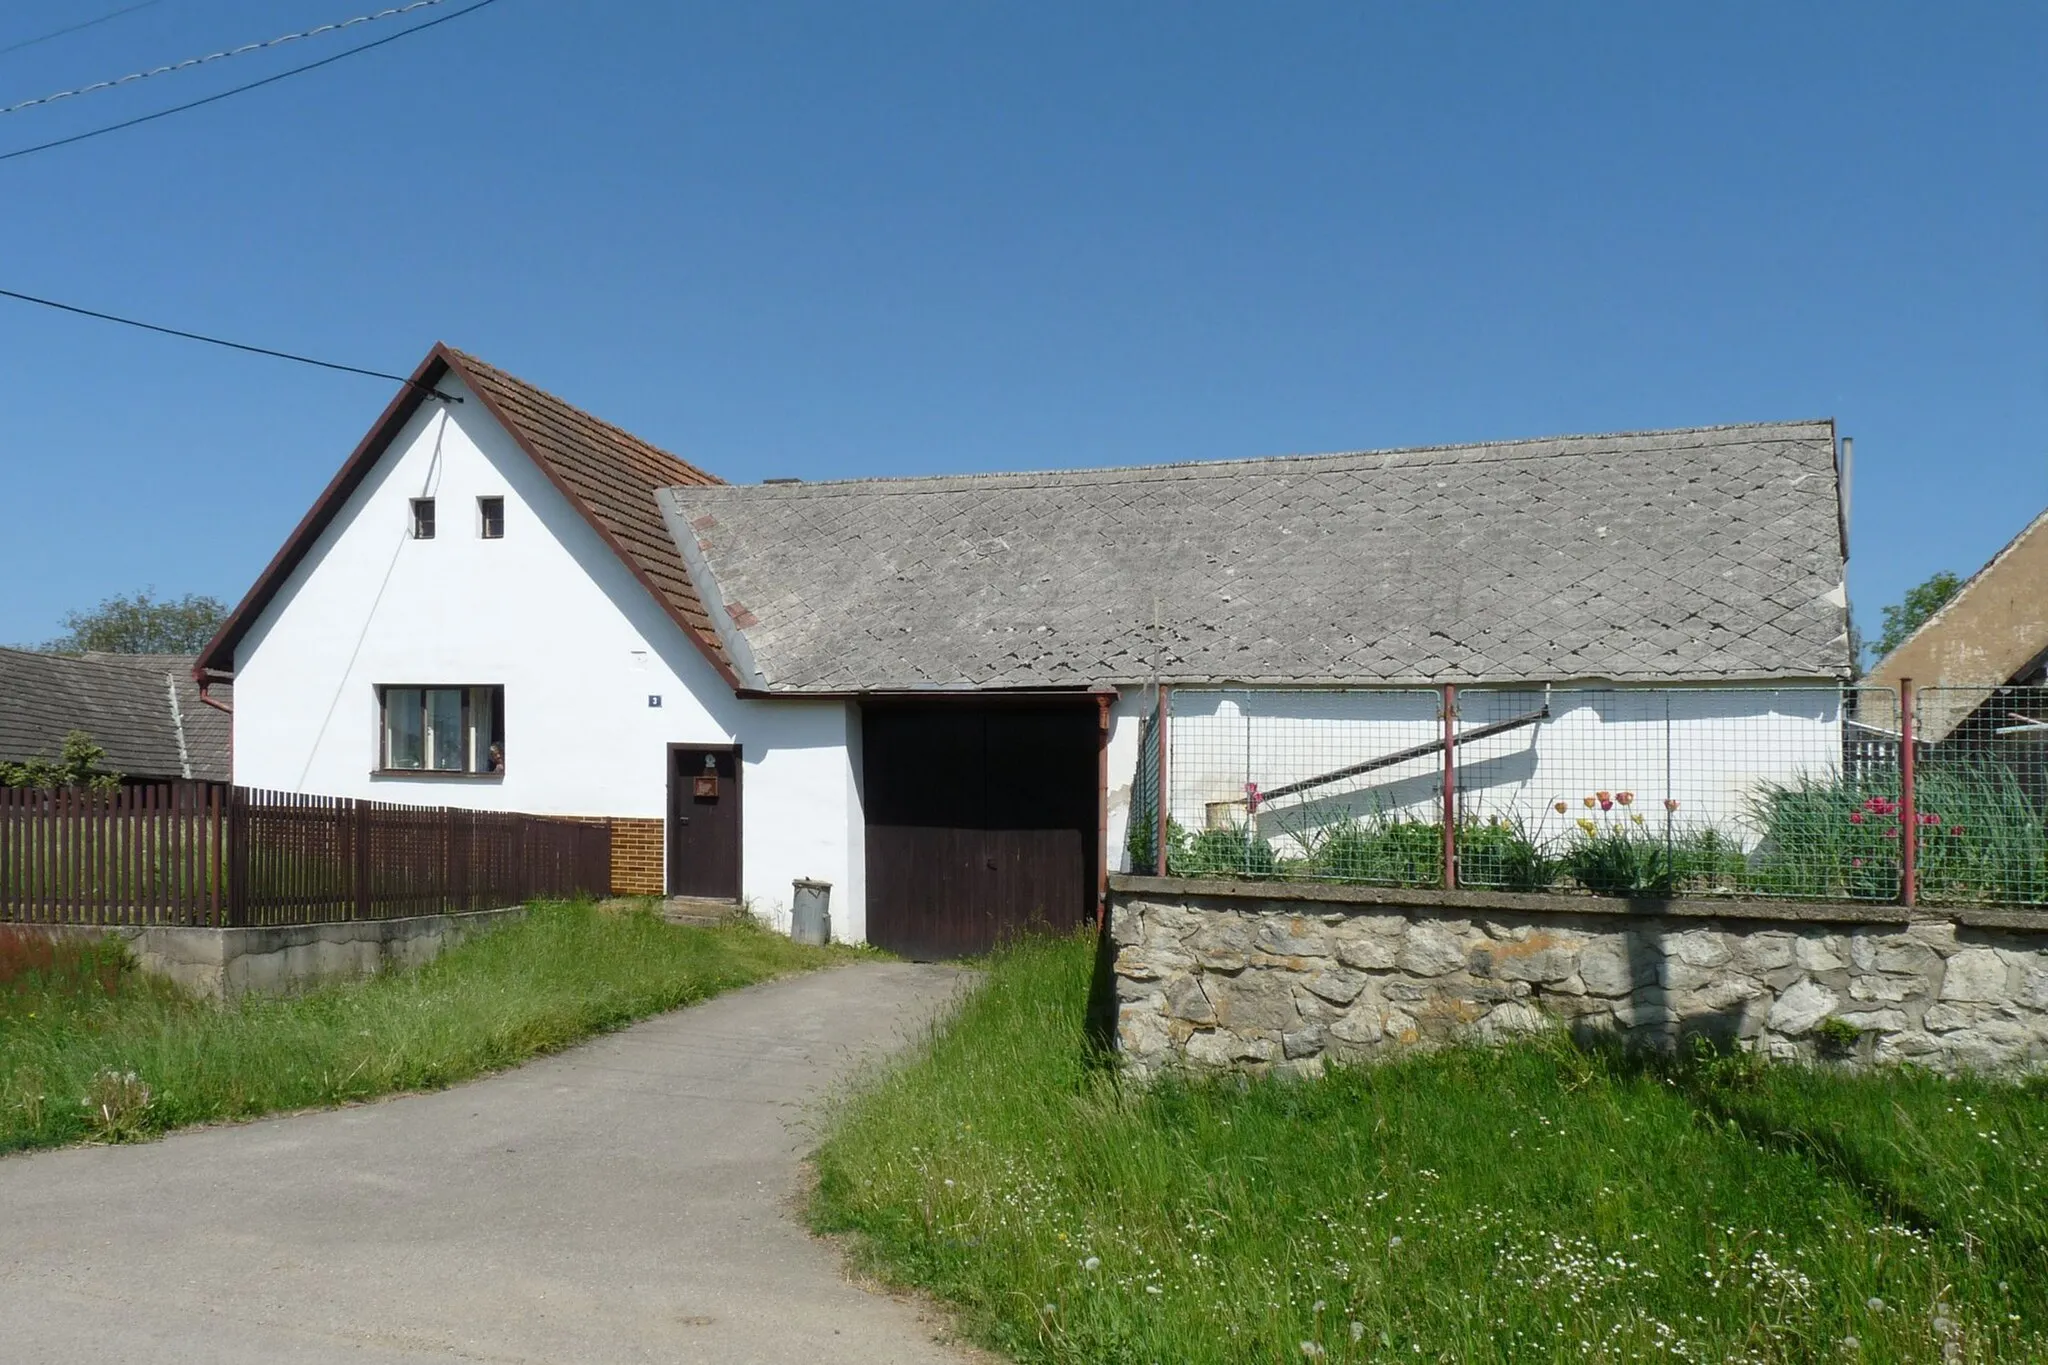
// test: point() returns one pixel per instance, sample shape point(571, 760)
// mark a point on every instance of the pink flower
point(1855, 862)
point(1930, 819)
point(1670, 803)
point(1625, 798)
point(1251, 796)
point(1855, 817)
point(1892, 833)
point(1607, 805)
point(1955, 830)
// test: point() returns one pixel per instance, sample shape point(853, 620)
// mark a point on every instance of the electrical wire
point(222, 55)
point(219, 341)
point(241, 89)
point(74, 28)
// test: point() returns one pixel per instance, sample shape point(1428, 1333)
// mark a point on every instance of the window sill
point(434, 775)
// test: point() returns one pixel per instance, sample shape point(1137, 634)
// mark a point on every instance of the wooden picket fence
point(195, 853)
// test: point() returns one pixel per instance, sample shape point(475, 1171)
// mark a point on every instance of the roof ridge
point(470, 358)
point(1206, 468)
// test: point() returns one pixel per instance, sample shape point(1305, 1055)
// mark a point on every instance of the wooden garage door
point(981, 822)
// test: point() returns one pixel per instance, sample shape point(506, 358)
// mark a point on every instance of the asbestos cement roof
point(1704, 554)
point(143, 709)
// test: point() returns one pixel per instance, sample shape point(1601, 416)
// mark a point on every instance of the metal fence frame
point(1889, 750)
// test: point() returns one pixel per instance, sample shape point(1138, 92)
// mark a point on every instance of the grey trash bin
point(810, 916)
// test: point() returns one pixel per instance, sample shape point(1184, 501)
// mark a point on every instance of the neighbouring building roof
point(1994, 631)
point(608, 475)
point(1703, 554)
point(143, 709)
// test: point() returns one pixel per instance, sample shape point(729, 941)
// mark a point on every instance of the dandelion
point(1092, 1263)
point(1312, 1350)
point(1394, 1241)
point(1851, 1344)
point(1357, 1331)
point(1874, 1303)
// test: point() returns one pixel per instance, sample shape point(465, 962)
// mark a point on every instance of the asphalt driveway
point(626, 1201)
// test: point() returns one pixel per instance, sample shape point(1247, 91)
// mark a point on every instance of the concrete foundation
point(224, 964)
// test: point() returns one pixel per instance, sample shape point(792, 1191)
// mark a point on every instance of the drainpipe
point(199, 676)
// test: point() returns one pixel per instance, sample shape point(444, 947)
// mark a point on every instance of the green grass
point(1538, 1202)
point(75, 1023)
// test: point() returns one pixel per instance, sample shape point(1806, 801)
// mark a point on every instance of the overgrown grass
point(77, 1023)
point(1537, 1202)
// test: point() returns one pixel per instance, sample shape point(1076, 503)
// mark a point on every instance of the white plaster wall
point(1126, 729)
point(1709, 748)
point(552, 615)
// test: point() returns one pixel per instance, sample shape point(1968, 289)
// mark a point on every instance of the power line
point(241, 89)
point(73, 28)
point(221, 55)
point(219, 341)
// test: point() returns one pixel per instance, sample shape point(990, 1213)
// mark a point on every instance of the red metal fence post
point(1159, 868)
point(1450, 787)
point(1909, 812)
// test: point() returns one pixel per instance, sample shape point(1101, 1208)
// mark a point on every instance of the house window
point(490, 518)
point(422, 518)
point(443, 729)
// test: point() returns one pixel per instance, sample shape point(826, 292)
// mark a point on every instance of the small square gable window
point(490, 518)
point(422, 518)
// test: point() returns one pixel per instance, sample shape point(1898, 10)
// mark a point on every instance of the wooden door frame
point(668, 807)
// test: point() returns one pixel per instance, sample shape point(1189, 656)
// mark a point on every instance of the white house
point(930, 692)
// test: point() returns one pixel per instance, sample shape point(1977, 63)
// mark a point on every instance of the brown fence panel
point(192, 853)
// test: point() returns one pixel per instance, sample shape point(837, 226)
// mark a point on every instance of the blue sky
point(830, 240)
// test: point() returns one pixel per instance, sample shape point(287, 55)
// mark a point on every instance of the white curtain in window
point(480, 729)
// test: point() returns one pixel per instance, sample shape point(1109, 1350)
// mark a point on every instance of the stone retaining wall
point(1259, 977)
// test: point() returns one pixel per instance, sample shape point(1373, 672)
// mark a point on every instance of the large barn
point(934, 693)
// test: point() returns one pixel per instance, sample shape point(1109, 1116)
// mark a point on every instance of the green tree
point(1920, 603)
point(76, 767)
point(142, 624)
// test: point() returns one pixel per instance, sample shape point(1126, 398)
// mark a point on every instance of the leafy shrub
point(1504, 855)
point(1231, 852)
point(1616, 862)
point(1981, 836)
point(1379, 848)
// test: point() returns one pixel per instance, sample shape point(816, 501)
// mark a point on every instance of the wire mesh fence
point(1795, 792)
point(1980, 794)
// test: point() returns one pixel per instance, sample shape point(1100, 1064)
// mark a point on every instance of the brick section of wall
point(637, 857)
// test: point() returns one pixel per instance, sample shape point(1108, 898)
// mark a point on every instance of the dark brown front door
point(704, 823)
point(980, 822)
